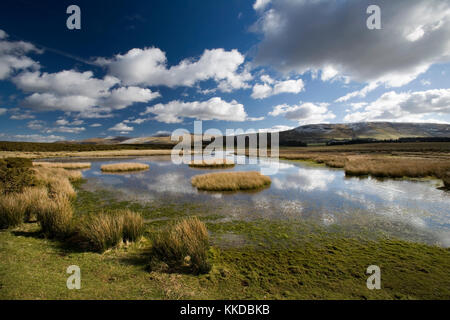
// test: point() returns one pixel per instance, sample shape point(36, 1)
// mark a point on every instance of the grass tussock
point(124, 167)
point(63, 165)
point(99, 232)
point(230, 181)
point(212, 164)
point(34, 199)
point(55, 216)
point(47, 199)
point(12, 211)
point(183, 246)
point(132, 225)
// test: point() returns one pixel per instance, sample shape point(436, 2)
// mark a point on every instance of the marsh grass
point(99, 232)
point(55, 216)
point(230, 181)
point(124, 167)
point(12, 211)
point(183, 246)
point(395, 167)
point(132, 225)
point(331, 160)
point(63, 165)
point(212, 164)
point(34, 199)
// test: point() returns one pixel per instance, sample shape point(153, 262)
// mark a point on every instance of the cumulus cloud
point(332, 36)
point(122, 127)
point(61, 125)
point(3, 111)
point(304, 113)
point(79, 92)
point(419, 106)
point(31, 137)
point(278, 128)
point(270, 87)
point(13, 56)
point(148, 67)
point(260, 4)
point(212, 109)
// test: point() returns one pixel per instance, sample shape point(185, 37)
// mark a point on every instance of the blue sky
point(138, 68)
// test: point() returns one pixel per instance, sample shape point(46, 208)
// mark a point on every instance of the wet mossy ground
point(260, 259)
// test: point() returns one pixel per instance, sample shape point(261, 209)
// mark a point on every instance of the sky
point(142, 68)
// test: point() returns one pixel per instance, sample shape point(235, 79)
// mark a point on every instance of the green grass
point(333, 268)
point(276, 260)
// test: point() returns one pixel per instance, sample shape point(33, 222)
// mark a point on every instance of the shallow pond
point(408, 209)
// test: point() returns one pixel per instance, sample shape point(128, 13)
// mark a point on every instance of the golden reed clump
point(212, 164)
point(48, 202)
point(184, 245)
point(63, 165)
point(99, 232)
point(230, 181)
point(393, 167)
point(124, 167)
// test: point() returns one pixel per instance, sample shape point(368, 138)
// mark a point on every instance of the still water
point(408, 209)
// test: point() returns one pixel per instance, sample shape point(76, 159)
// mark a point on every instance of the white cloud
point(260, 4)
point(12, 56)
point(62, 125)
point(306, 113)
point(278, 128)
point(212, 109)
point(121, 127)
point(31, 137)
point(311, 35)
point(79, 92)
point(419, 106)
point(3, 110)
point(270, 87)
point(95, 125)
point(359, 93)
point(121, 98)
point(148, 67)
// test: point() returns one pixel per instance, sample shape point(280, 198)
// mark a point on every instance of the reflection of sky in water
point(298, 191)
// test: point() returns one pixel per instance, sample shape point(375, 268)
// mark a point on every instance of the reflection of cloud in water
point(306, 180)
point(291, 207)
point(171, 182)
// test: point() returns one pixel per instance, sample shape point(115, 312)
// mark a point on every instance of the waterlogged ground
point(300, 193)
point(311, 235)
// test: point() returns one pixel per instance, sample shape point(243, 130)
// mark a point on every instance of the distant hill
point(313, 133)
point(322, 133)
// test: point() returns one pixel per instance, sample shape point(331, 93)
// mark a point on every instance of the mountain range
point(317, 133)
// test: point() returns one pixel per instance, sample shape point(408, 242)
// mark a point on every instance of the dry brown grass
point(184, 246)
point(48, 201)
point(124, 167)
point(99, 232)
point(230, 181)
point(34, 198)
point(395, 167)
point(12, 211)
point(212, 164)
point(55, 216)
point(331, 160)
point(84, 154)
point(63, 165)
point(132, 225)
